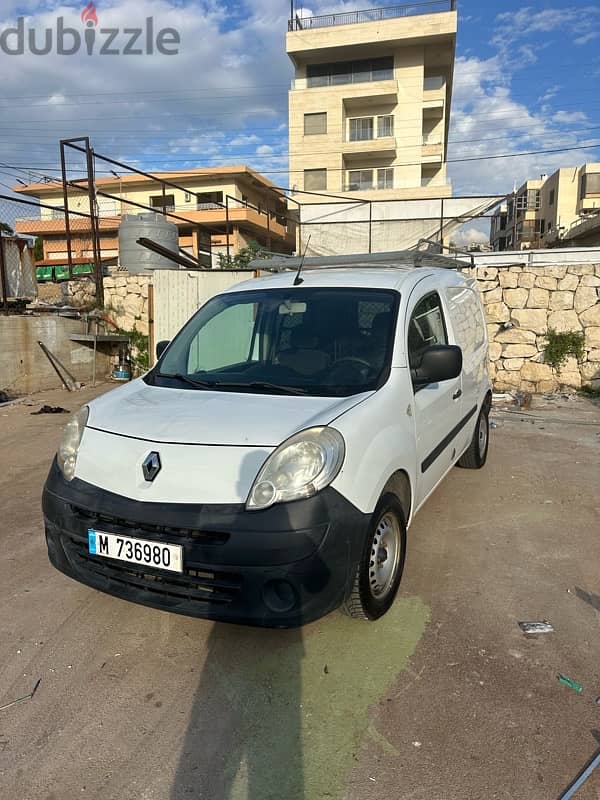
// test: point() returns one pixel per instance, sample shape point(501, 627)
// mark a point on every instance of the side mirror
point(440, 362)
point(161, 347)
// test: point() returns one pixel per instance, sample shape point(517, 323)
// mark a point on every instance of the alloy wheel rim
point(385, 556)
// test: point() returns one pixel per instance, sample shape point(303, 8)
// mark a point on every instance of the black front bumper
point(281, 567)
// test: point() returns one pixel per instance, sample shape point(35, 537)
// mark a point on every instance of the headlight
point(69, 446)
point(300, 467)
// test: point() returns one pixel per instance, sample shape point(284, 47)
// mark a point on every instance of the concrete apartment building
point(233, 204)
point(369, 105)
point(558, 211)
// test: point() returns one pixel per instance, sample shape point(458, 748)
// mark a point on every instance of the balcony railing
point(432, 141)
point(370, 15)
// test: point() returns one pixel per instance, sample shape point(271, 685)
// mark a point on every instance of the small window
point(361, 130)
point(385, 126)
point(551, 198)
point(315, 180)
point(426, 328)
point(158, 202)
point(209, 199)
point(315, 124)
point(542, 227)
point(590, 184)
point(360, 179)
point(385, 178)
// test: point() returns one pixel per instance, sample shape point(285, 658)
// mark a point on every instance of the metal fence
point(370, 15)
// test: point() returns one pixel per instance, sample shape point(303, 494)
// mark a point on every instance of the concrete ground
point(442, 699)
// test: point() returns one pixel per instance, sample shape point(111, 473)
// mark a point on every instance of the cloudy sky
point(526, 80)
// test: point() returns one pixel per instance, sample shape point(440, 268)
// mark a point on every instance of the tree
point(243, 258)
point(38, 249)
point(5, 228)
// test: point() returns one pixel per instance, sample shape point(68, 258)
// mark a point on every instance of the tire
point(375, 589)
point(476, 454)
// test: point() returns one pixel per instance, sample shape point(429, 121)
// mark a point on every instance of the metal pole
point(370, 225)
point(227, 226)
point(164, 199)
point(442, 223)
point(3, 275)
point(63, 168)
point(94, 223)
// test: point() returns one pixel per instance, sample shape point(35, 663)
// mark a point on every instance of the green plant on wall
point(560, 346)
point(139, 348)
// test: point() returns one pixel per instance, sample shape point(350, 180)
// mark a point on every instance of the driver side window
point(427, 327)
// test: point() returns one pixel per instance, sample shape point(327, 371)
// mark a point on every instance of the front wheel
point(476, 454)
point(381, 565)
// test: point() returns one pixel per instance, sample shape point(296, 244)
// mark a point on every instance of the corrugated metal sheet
point(178, 294)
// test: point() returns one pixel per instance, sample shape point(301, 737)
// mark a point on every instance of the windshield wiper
point(272, 387)
point(186, 378)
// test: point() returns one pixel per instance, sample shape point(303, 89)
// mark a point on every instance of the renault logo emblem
point(151, 466)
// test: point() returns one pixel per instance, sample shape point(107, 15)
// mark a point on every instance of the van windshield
point(313, 341)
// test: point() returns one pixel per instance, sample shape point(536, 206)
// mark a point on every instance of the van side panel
point(470, 334)
point(380, 437)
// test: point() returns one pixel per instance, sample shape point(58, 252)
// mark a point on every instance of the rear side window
point(467, 319)
point(426, 328)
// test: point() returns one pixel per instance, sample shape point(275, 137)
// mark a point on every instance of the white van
point(265, 471)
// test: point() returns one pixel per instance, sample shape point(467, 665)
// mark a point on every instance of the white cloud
point(586, 37)
point(466, 236)
point(514, 26)
point(569, 117)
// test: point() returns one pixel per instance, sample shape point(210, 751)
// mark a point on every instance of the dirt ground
point(442, 699)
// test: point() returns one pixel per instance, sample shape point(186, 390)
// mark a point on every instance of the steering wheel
point(358, 364)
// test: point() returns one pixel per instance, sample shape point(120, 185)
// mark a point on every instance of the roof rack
point(399, 259)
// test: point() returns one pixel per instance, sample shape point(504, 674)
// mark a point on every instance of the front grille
point(166, 533)
point(193, 585)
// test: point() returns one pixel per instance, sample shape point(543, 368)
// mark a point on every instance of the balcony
point(385, 179)
point(370, 15)
point(432, 149)
point(384, 146)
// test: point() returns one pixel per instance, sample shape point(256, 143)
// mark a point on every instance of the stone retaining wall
point(125, 298)
point(126, 301)
point(521, 304)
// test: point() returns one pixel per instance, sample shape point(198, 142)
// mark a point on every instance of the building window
point(533, 199)
point(551, 198)
point(315, 124)
point(360, 180)
point(158, 202)
point(590, 183)
point(367, 179)
point(522, 201)
point(315, 180)
point(361, 130)
point(209, 199)
point(368, 70)
point(385, 178)
point(542, 227)
point(385, 126)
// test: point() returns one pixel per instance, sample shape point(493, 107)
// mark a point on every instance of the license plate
point(136, 551)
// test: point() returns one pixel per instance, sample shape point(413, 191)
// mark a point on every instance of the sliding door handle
point(457, 394)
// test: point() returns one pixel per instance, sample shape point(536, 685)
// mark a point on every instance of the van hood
point(189, 416)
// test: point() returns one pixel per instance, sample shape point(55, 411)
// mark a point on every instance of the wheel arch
point(399, 485)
